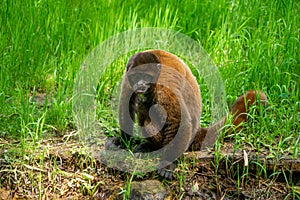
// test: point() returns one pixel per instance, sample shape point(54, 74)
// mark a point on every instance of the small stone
point(4, 195)
point(149, 189)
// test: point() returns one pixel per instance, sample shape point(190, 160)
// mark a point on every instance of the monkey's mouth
point(140, 89)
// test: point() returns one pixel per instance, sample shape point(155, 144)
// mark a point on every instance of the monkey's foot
point(167, 172)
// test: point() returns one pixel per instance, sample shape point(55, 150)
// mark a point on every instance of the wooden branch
point(251, 158)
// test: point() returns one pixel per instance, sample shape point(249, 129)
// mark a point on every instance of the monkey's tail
point(206, 137)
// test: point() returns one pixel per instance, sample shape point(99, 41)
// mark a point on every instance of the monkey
point(160, 92)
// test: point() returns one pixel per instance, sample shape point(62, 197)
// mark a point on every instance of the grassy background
point(43, 43)
point(256, 45)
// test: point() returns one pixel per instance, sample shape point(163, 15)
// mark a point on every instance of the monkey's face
point(142, 78)
point(140, 83)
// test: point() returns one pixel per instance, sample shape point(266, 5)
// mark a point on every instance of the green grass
point(256, 45)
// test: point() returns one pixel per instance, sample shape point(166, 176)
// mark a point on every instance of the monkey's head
point(142, 71)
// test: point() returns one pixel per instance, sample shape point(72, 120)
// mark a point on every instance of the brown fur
point(242, 105)
point(177, 93)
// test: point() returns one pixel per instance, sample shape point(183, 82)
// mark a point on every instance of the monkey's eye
point(134, 78)
point(147, 78)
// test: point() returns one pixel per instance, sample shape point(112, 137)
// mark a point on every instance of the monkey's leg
point(206, 137)
point(177, 141)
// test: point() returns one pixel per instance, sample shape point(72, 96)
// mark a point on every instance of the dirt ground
point(64, 171)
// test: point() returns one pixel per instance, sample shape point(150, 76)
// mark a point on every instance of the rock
point(149, 190)
point(4, 195)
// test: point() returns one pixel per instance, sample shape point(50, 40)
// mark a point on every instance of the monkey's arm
point(126, 111)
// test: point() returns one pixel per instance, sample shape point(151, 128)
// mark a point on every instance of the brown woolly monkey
point(160, 92)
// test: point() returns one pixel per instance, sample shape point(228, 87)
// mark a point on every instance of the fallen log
point(248, 159)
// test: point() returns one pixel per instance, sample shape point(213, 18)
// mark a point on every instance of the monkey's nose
point(140, 87)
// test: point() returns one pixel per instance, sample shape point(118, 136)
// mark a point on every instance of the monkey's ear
point(141, 58)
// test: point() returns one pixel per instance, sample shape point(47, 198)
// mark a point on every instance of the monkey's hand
point(145, 147)
point(113, 143)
